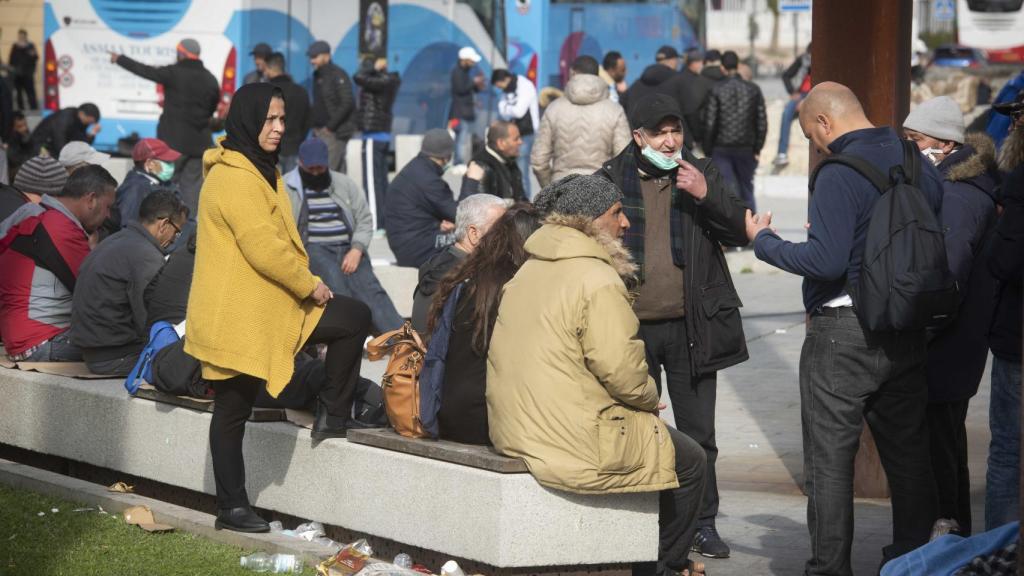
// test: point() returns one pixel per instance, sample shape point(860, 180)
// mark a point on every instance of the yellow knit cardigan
point(248, 310)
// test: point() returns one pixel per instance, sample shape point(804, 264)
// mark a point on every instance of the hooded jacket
point(579, 132)
point(582, 413)
point(249, 310)
point(957, 353)
point(191, 95)
point(655, 79)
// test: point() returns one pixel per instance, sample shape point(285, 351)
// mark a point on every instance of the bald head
point(829, 111)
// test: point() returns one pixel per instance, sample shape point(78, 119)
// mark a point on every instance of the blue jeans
point(788, 115)
point(1002, 481)
point(524, 163)
point(57, 349)
point(325, 262)
point(464, 141)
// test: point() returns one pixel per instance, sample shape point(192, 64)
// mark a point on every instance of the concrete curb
point(184, 519)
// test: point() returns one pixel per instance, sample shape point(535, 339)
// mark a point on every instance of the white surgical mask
point(931, 154)
point(658, 159)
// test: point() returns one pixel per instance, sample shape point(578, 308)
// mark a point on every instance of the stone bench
point(481, 457)
point(503, 519)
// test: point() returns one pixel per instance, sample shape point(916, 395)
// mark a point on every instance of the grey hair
point(473, 211)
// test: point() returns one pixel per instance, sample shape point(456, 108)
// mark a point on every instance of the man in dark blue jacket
point(420, 209)
point(847, 374)
point(957, 352)
point(1006, 262)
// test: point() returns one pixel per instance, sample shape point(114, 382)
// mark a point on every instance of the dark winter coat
point(334, 104)
point(296, 111)
point(502, 178)
point(796, 71)
point(698, 232)
point(463, 412)
point(137, 185)
point(58, 129)
point(692, 92)
point(418, 201)
point(463, 94)
point(23, 59)
point(430, 276)
point(713, 73)
point(191, 95)
point(655, 79)
point(734, 116)
point(376, 99)
point(1006, 262)
point(957, 353)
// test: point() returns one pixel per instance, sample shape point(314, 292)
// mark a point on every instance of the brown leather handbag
point(401, 381)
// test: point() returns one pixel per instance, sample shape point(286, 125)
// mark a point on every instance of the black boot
point(327, 425)
point(241, 519)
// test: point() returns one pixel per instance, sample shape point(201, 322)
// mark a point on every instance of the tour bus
point(537, 38)
point(996, 26)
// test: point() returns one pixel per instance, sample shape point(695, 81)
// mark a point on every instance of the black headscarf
point(245, 121)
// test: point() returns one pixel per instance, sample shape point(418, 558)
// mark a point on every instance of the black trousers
point(678, 509)
point(848, 376)
point(343, 327)
point(375, 176)
point(26, 86)
point(737, 166)
point(947, 442)
point(693, 398)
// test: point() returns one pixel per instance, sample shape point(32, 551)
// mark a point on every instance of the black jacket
point(191, 95)
point(793, 76)
point(655, 79)
point(430, 276)
point(296, 111)
point(713, 73)
point(734, 116)
point(137, 185)
point(334, 105)
point(108, 313)
point(957, 353)
point(418, 200)
point(691, 90)
point(10, 200)
point(463, 94)
point(462, 416)
point(23, 59)
point(503, 179)
point(1006, 262)
point(166, 297)
point(58, 129)
point(712, 305)
point(376, 98)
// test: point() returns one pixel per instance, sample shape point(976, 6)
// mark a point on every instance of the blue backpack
point(161, 335)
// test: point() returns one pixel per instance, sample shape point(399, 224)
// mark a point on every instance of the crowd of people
point(257, 247)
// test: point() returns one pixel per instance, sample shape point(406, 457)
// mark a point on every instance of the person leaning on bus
point(254, 303)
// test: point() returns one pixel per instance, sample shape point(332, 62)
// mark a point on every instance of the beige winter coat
point(567, 384)
point(579, 131)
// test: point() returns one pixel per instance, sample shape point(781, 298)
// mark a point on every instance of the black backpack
point(904, 283)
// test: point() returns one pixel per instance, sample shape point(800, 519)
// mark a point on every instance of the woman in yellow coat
point(254, 303)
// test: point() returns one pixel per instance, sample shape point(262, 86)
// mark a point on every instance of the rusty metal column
point(866, 46)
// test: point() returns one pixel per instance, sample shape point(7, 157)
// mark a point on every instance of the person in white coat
point(518, 104)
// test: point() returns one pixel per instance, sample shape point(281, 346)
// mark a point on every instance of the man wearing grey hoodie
point(585, 110)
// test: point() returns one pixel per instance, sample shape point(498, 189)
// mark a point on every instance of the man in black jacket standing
point(681, 213)
point(23, 60)
point(735, 126)
point(494, 170)
point(191, 95)
point(462, 117)
point(334, 104)
point(378, 88)
point(296, 106)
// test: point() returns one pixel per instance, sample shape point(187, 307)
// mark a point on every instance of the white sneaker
point(781, 160)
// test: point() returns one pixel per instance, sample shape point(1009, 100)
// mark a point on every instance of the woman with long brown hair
point(476, 285)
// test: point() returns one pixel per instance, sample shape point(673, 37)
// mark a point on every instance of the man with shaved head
point(849, 374)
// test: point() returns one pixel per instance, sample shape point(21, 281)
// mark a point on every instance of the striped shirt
point(326, 221)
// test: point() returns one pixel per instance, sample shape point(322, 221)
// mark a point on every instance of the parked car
point(953, 56)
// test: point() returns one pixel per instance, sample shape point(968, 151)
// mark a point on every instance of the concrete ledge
point(503, 520)
point(482, 457)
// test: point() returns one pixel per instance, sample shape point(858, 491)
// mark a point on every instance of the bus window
point(492, 15)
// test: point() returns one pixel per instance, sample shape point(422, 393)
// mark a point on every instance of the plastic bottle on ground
point(275, 564)
point(403, 560)
point(451, 568)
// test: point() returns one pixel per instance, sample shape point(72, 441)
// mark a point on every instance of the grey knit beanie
point(41, 175)
point(438, 143)
point(939, 118)
point(578, 195)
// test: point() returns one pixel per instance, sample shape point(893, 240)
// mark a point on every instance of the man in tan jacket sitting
point(583, 412)
point(581, 130)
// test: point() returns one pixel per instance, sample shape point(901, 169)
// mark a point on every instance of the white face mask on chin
point(933, 155)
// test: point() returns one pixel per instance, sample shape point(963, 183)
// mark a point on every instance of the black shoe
point(241, 519)
point(326, 425)
point(709, 544)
